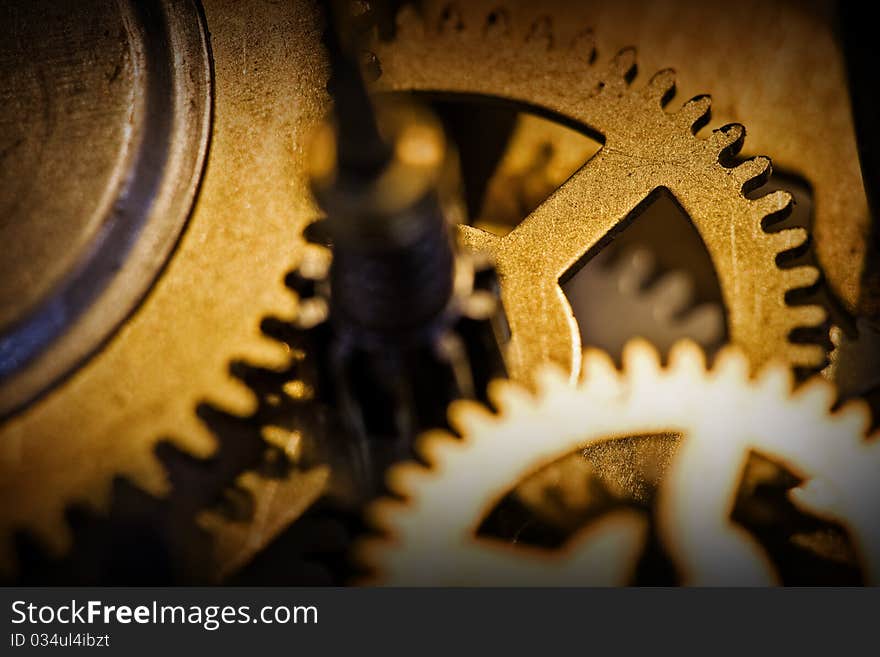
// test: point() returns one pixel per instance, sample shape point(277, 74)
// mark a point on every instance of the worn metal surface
point(775, 67)
point(225, 275)
point(244, 233)
point(647, 150)
point(104, 125)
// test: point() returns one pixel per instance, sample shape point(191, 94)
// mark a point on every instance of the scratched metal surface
point(104, 118)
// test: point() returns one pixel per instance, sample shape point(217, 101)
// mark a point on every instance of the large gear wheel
point(172, 356)
point(721, 415)
point(646, 151)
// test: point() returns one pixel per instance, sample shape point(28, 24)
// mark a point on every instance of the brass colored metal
point(776, 67)
point(722, 415)
point(852, 363)
point(269, 93)
point(278, 505)
point(104, 129)
point(645, 150)
point(225, 275)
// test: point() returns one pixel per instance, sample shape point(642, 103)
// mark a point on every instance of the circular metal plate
point(105, 111)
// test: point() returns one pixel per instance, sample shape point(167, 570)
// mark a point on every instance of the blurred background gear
point(618, 297)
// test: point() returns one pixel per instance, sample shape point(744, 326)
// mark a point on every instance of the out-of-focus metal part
point(614, 301)
point(863, 59)
point(278, 504)
point(539, 156)
point(393, 262)
point(105, 119)
point(525, 61)
point(224, 277)
point(722, 414)
point(412, 323)
point(853, 363)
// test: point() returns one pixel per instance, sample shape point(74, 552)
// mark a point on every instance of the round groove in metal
point(105, 132)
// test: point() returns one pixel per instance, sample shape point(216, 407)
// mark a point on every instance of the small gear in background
point(853, 361)
point(721, 416)
point(620, 296)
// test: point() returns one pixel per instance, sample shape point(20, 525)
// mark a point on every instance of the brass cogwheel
point(721, 416)
point(173, 353)
point(647, 151)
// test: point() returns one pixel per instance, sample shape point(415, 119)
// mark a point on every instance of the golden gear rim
point(492, 55)
point(174, 352)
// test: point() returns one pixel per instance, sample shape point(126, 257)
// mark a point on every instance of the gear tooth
point(497, 23)
point(731, 363)
point(661, 87)
point(311, 312)
point(855, 414)
point(817, 395)
point(753, 173)
point(585, 42)
point(695, 113)
point(150, 475)
point(773, 206)
point(706, 323)
point(623, 65)
point(432, 445)
point(671, 295)
point(288, 441)
point(807, 316)
point(508, 396)
point(550, 378)
point(379, 514)
point(809, 356)
point(640, 359)
point(315, 262)
point(634, 268)
point(598, 370)
point(267, 354)
point(235, 398)
point(776, 380)
point(469, 417)
point(728, 140)
point(404, 477)
point(450, 20)
point(790, 239)
point(687, 356)
point(800, 277)
point(540, 33)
